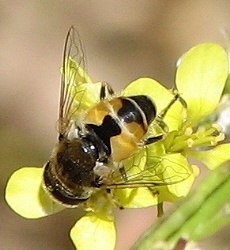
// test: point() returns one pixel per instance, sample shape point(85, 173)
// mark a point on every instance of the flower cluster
point(200, 80)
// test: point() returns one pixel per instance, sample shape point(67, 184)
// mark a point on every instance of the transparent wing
point(146, 170)
point(151, 179)
point(72, 50)
point(77, 90)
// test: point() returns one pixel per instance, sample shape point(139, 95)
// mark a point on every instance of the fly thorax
point(75, 162)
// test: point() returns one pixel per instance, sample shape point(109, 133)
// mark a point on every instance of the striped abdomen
point(121, 123)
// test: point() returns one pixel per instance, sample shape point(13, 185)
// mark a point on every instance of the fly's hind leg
point(153, 139)
point(162, 114)
point(166, 109)
point(106, 91)
point(114, 199)
point(160, 117)
point(123, 172)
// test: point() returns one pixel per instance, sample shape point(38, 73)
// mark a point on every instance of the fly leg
point(160, 117)
point(166, 109)
point(102, 169)
point(123, 172)
point(106, 91)
point(162, 114)
point(114, 199)
point(152, 139)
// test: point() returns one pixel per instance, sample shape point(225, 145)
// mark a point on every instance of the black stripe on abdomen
point(138, 109)
point(106, 130)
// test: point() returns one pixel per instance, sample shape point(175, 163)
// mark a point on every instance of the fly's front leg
point(106, 91)
point(101, 169)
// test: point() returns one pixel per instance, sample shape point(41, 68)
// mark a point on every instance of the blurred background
point(123, 40)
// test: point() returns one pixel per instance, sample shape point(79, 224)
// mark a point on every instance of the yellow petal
point(214, 157)
point(172, 173)
point(167, 177)
point(200, 79)
point(26, 196)
point(136, 197)
point(173, 192)
point(93, 233)
point(166, 168)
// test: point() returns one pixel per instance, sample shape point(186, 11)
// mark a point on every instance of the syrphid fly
point(102, 136)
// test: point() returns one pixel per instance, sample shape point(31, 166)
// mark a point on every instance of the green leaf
point(214, 157)
point(26, 196)
point(92, 232)
point(198, 216)
point(201, 78)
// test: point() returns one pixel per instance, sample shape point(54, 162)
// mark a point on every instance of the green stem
point(198, 216)
point(160, 210)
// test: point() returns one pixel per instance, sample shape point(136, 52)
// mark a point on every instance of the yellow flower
point(156, 173)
